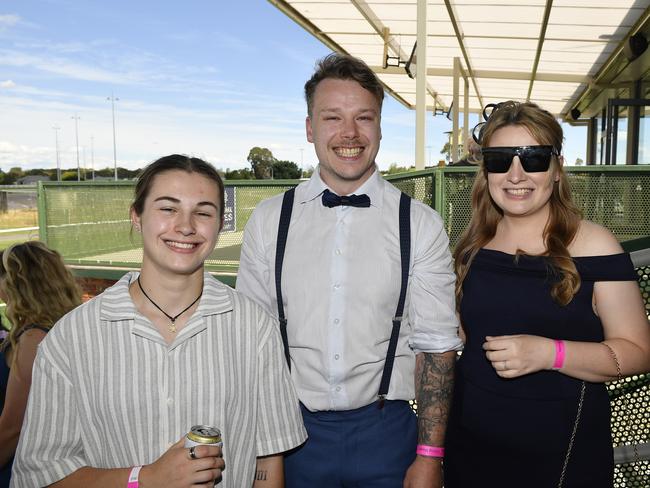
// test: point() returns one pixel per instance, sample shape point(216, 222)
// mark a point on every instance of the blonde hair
point(38, 286)
point(564, 217)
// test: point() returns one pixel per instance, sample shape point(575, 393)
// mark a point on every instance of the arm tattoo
point(260, 475)
point(434, 385)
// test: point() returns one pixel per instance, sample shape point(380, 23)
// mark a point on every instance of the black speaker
point(575, 113)
point(635, 46)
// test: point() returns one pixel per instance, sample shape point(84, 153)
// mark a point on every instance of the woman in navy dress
point(550, 310)
point(38, 291)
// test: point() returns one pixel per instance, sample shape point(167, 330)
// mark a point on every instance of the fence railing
point(88, 223)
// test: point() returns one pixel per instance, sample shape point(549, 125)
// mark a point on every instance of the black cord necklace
point(172, 325)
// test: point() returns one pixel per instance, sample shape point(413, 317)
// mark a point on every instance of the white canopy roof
point(548, 51)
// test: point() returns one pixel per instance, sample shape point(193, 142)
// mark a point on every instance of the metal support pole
point(58, 160)
point(76, 133)
point(420, 85)
point(113, 100)
point(454, 116)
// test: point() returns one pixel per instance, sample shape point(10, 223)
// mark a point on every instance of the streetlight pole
point(113, 100)
point(76, 132)
point(58, 161)
point(92, 155)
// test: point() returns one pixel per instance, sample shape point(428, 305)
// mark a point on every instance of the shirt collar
point(117, 304)
point(373, 187)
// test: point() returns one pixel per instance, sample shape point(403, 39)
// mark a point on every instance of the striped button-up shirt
point(109, 392)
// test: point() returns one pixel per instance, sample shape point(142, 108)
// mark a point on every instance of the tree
point(13, 174)
point(579, 161)
point(239, 174)
point(285, 170)
point(261, 160)
point(70, 175)
point(394, 168)
point(446, 150)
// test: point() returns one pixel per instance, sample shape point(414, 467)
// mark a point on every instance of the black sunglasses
point(534, 159)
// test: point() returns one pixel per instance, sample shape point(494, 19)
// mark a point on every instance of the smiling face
point(180, 223)
point(517, 193)
point(345, 130)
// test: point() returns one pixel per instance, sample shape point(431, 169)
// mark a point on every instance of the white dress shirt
point(340, 284)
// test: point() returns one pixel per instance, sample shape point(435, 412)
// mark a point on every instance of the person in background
point(38, 290)
point(133, 369)
point(472, 155)
point(342, 277)
point(550, 309)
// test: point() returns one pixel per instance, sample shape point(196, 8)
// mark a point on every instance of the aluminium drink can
point(203, 435)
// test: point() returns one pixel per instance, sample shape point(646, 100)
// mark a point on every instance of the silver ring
point(192, 453)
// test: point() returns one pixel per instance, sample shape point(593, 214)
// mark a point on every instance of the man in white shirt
point(340, 282)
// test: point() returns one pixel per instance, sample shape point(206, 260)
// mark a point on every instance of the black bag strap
point(405, 252)
point(283, 232)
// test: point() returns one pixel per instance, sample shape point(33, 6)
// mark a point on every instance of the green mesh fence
point(616, 197)
point(630, 399)
point(89, 223)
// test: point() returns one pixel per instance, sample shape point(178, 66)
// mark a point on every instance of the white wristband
point(133, 477)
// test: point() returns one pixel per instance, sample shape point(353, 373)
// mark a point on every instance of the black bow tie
point(333, 200)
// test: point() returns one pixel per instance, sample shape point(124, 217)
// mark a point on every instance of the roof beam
point(599, 78)
point(381, 30)
point(306, 24)
point(492, 74)
point(461, 43)
point(540, 44)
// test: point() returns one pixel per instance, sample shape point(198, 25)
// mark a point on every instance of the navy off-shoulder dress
point(515, 432)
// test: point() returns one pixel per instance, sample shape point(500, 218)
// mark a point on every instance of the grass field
point(19, 218)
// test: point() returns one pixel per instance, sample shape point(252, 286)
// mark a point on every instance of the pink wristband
point(559, 355)
point(430, 451)
point(133, 477)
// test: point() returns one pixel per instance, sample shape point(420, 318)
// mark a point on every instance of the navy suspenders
point(283, 232)
point(405, 253)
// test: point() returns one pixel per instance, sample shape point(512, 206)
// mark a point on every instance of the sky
point(208, 78)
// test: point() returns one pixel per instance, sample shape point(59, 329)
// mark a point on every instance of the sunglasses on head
point(534, 159)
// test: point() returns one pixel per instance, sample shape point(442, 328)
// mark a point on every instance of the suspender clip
point(382, 400)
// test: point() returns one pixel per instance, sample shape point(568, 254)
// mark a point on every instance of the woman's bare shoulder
point(594, 240)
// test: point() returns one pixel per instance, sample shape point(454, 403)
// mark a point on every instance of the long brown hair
point(564, 217)
point(38, 286)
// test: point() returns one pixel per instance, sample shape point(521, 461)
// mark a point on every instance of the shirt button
point(338, 251)
point(336, 321)
point(336, 356)
point(337, 286)
point(338, 388)
point(170, 401)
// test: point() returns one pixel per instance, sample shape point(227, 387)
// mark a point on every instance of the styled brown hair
point(564, 217)
point(38, 286)
point(170, 163)
point(343, 67)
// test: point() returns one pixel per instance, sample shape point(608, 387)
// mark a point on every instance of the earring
point(137, 227)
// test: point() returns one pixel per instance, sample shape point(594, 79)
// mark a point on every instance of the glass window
point(621, 136)
point(644, 136)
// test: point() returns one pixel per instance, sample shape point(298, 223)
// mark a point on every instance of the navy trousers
point(367, 447)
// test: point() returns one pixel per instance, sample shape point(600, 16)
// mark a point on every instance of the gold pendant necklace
point(172, 325)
